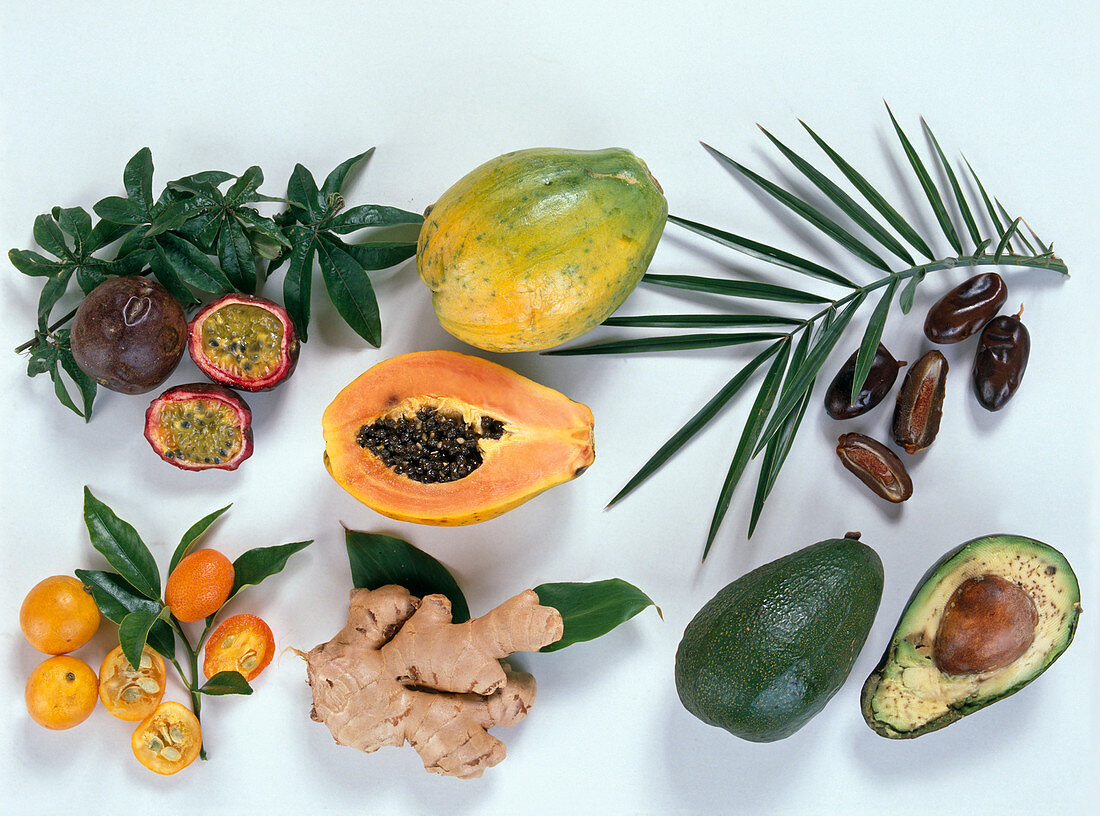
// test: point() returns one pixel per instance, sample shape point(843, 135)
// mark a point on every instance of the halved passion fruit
point(438, 437)
point(200, 426)
point(244, 341)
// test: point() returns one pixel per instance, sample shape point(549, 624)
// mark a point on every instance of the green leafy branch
point(201, 238)
point(131, 595)
point(990, 237)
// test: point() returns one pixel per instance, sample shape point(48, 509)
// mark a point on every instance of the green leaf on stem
point(192, 265)
point(118, 542)
point(371, 215)
point(298, 281)
point(350, 290)
point(85, 384)
point(253, 566)
point(643, 345)
point(872, 335)
point(378, 254)
point(700, 321)
point(137, 178)
point(591, 610)
point(960, 199)
point(334, 182)
point(905, 300)
point(133, 632)
point(378, 560)
point(116, 599)
point(226, 682)
point(235, 256)
point(304, 197)
point(194, 532)
point(731, 288)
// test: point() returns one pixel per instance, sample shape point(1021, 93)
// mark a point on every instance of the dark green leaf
point(758, 415)
point(379, 254)
point(52, 292)
point(845, 202)
point(591, 610)
point(192, 535)
point(334, 182)
point(121, 545)
point(930, 190)
point(775, 454)
point(744, 289)
point(83, 382)
point(226, 682)
point(298, 282)
point(204, 191)
point(50, 237)
point(871, 337)
point(303, 195)
point(981, 248)
point(191, 265)
point(874, 198)
point(960, 199)
point(235, 256)
point(133, 633)
point(696, 423)
point(254, 566)
point(678, 342)
point(371, 215)
point(987, 201)
point(206, 179)
point(106, 232)
point(701, 321)
point(32, 263)
point(262, 225)
point(378, 560)
point(349, 289)
point(116, 599)
point(1005, 239)
point(910, 290)
point(75, 222)
point(242, 189)
point(62, 393)
point(808, 212)
point(1019, 233)
point(164, 272)
point(175, 215)
point(764, 253)
point(137, 178)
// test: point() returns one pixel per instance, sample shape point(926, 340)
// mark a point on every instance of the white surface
point(439, 89)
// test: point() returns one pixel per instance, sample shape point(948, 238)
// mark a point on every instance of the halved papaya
point(438, 437)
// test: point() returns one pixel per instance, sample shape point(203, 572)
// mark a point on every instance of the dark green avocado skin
point(766, 653)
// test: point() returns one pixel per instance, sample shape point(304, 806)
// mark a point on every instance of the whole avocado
point(766, 653)
point(538, 246)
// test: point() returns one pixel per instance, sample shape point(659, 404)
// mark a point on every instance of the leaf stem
point(192, 685)
point(57, 325)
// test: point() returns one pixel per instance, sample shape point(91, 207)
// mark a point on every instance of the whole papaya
point(538, 246)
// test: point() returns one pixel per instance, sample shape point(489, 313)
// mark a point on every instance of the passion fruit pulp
point(244, 341)
point(200, 426)
point(128, 334)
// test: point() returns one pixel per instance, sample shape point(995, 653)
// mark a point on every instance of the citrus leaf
point(696, 423)
point(868, 347)
point(192, 535)
point(118, 542)
point(378, 560)
point(960, 199)
point(349, 288)
point(763, 252)
point(334, 182)
point(643, 345)
point(226, 682)
point(743, 289)
point(591, 610)
point(701, 321)
point(253, 566)
point(133, 632)
point(116, 599)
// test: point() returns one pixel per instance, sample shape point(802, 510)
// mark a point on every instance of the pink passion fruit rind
point(200, 426)
point(244, 341)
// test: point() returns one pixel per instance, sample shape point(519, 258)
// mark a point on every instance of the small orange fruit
point(243, 643)
point(61, 692)
point(168, 740)
point(58, 615)
point(129, 693)
point(199, 585)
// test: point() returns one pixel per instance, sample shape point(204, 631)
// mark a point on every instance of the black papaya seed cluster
point(429, 446)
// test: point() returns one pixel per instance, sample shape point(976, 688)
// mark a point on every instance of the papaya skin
point(547, 440)
point(537, 247)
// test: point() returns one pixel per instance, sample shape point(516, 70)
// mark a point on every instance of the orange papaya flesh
point(531, 437)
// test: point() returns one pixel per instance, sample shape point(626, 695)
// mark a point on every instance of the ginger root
point(401, 671)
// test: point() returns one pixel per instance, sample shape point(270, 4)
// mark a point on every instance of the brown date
point(880, 379)
point(1003, 349)
point(966, 308)
point(875, 465)
point(920, 402)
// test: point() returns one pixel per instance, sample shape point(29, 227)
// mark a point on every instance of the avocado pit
point(988, 623)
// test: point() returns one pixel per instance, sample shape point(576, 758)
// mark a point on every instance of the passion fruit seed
point(987, 624)
point(199, 431)
point(429, 446)
point(243, 340)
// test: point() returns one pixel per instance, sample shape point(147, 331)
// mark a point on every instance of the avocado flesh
point(907, 695)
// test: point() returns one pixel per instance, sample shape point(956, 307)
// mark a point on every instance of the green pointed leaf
point(176, 214)
point(728, 288)
point(371, 215)
point(50, 237)
point(763, 252)
point(303, 195)
point(166, 274)
point(380, 254)
point(696, 423)
point(191, 265)
point(137, 178)
point(85, 384)
point(105, 233)
point(62, 392)
point(700, 321)
point(908, 293)
point(205, 181)
point(120, 544)
point(981, 248)
point(334, 182)
point(808, 212)
point(1003, 246)
point(235, 257)
point(349, 289)
point(194, 532)
point(32, 263)
point(255, 222)
point(848, 205)
point(871, 337)
point(245, 185)
point(298, 282)
point(75, 222)
point(758, 415)
point(591, 610)
point(226, 682)
point(874, 198)
point(775, 454)
point(378, 560)
point(133, 632)
point(960, 199)
point(993, 217)
point(929, 188)
point(1019, 235)
point(643, 345)
point(116, 599)
point(254, 566)
point(52, 292)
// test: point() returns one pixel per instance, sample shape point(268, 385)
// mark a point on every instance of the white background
point(438, 89)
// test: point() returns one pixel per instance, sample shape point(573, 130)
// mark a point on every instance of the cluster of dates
point(999, 364)
point(129, 335)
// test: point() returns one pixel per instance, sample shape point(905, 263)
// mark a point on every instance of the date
point(966, 308)
point(880, 379)
point(876, 466)
point(919, 406)
point(999, 365)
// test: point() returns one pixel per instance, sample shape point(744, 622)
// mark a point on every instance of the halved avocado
point(987, 619)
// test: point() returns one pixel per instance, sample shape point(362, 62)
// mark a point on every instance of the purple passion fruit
point(200, 426)
point(128, 334)
point(244, 341)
